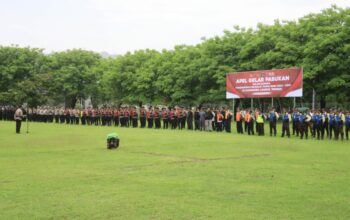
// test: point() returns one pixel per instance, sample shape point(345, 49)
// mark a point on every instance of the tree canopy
point(320, 43)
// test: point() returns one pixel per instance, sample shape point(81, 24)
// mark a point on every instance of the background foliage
point(189, 75)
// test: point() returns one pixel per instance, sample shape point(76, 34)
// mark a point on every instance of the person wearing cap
point(260, 123)
point(303, 127)
point(339, 122)
point(239, 121)
point(249, 119)
point(295, 124)
point(134, 117)
point(143, 117)
point(196, 119)
point(273, 117)
point(331, 124)
point(317, 124)
point(228, 119)
point(325, 123)
point(189, 119)
point(18, 118)
point(286, 118)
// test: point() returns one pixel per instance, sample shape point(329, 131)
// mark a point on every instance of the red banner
point(265, 83)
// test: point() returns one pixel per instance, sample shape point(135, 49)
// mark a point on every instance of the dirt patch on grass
point(186, 160)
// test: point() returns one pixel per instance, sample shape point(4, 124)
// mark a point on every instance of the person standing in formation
point(239, 121)
point(295, 124)
point(286, 118)
point(273, 117)
point(228, 119)
point(18, 118)
point(260, 123)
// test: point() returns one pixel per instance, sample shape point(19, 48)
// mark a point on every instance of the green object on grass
point(112, 135)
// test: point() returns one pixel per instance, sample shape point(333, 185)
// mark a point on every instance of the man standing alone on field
point(18, 118)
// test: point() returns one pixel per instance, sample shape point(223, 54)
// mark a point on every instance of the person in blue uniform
point(295, 123)
point(273, 116)
point(286, 118)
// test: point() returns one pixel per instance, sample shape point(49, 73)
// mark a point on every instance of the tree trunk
point(322, 102)
point(70, 102)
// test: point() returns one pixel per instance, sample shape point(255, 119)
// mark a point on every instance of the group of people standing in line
point(320, 123)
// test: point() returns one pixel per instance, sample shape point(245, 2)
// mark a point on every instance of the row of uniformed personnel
point(320, 123)
point(174, 118)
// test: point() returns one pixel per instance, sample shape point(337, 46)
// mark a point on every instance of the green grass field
point(65, 172)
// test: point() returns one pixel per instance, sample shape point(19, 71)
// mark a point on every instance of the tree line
point(187, 74)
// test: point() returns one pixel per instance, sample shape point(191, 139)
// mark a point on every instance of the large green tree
point(73, 75)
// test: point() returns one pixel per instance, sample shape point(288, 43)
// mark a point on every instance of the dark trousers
point(261, 131)
point(228, 126)
point(303, 128)
point(196, 124)
point(150, 122)
point(218, 126)
point(295, 127)
point(331, 130)
point(325, 129)
point(347, 128)
point(116, 121)
point(250, 129)
point(239, 127)
point(18, 126)
point(165, 123)
point(273, 128)
point(285, 129)
point(190, 124)
point(62, 118)
point(143, 122)
point(319, 131)
point(134, 122)
point(157, 123)
point(339, 131)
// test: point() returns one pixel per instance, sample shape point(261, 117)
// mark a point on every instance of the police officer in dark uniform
point(196, 119)
point(295, 124)
point(156, 116)
point(134, 118)
point(190, 119)
point(303, 126)
point(273, 121)
point(143, 117)
point(150, 117)
point(165, 117)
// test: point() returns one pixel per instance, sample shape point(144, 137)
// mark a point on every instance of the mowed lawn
point(65, 172)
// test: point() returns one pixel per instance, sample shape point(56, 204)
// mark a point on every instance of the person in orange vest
point(219, 118)
point(228, 119)
point(239, 120)
point(249, 120)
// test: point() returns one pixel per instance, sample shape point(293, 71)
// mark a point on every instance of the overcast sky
point(118, 26)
